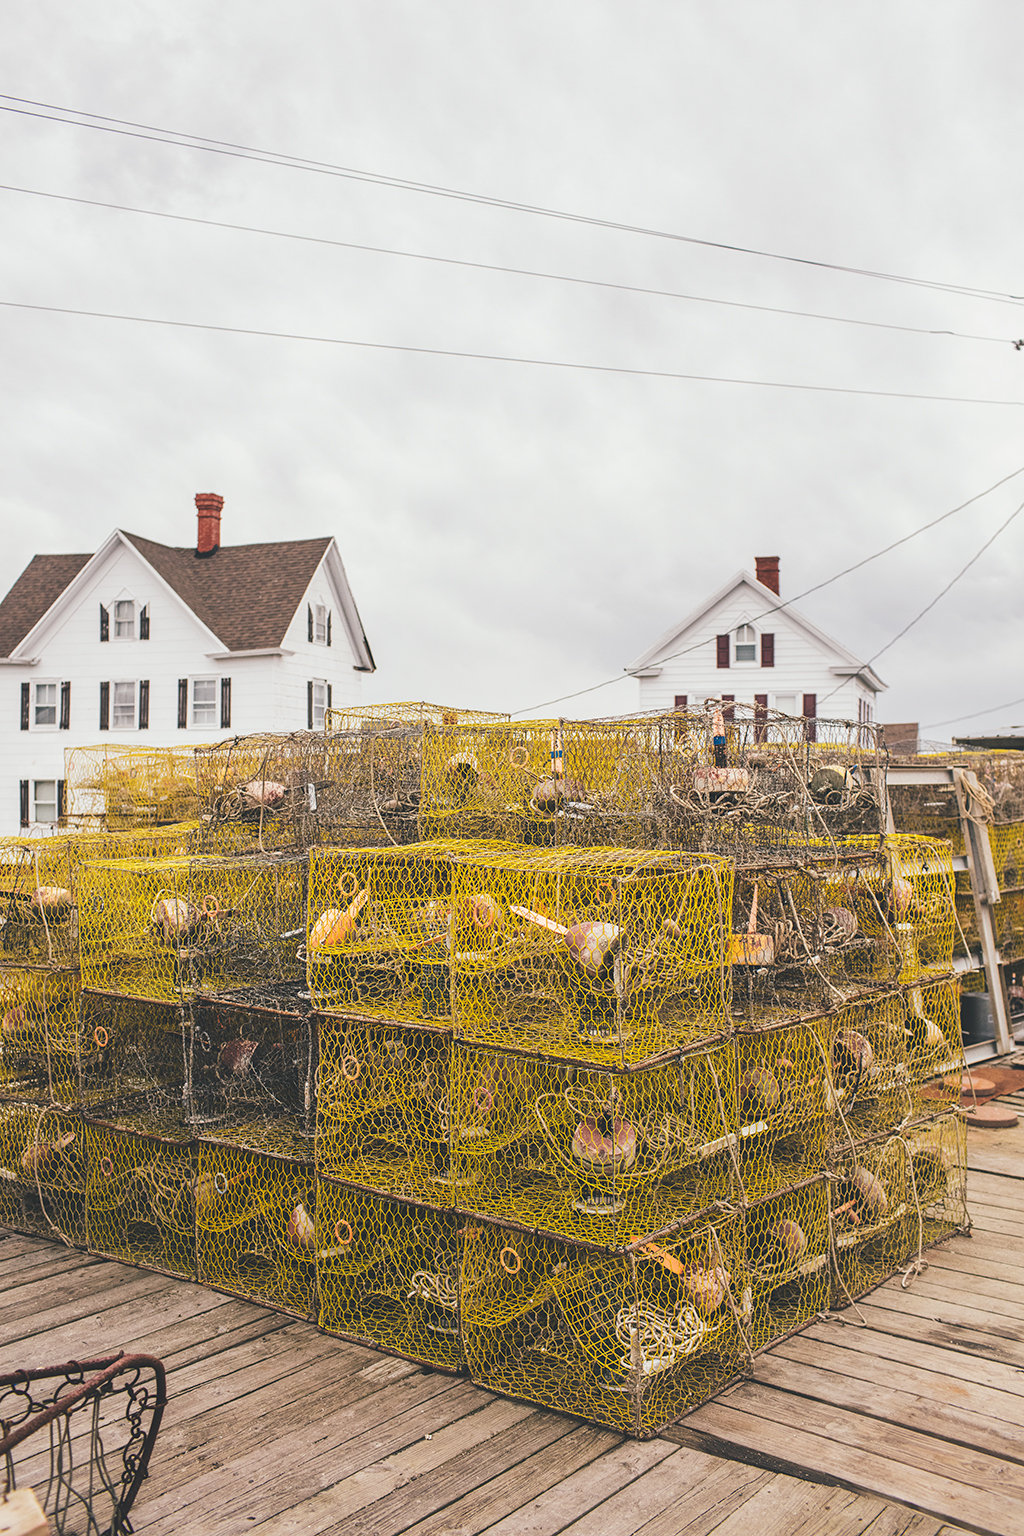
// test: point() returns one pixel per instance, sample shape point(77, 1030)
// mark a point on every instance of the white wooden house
point(742, 646)
point(152, 644)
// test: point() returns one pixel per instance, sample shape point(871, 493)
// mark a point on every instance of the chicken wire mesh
point(870, 1214)
point(784, 1121)
point(789, 1259)
point(934, 1047)
point(631, 1340)
point(923, 905)
point(140, 1198)
point(388, 1274)
point(165, 929)
point(938, 1161)
point(120, 786)
point(368, 717)
point(131, 1059)
point(251, 1067)
point(39, 1035)
point(1008, 921)
point(42, 1172)
point(270, 792)
point(865, 1046)
point(255, 1227)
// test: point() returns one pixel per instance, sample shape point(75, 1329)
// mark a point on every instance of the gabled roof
point(769, 603)
point(35, 591)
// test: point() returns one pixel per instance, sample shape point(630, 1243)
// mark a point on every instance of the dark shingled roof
point(246, 593)
point(36, 589)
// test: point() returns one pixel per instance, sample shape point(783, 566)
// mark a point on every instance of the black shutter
point(309, 706)
point(23, 792)
point(328, 626)
point(26, 704)
point(309, 616)
point(65, 706)
point(722, 649)
point(144, 704)
point(330, 691)
point(104, 706)
point(144, 623)
point(728, 712)
point(225, 703)
point(767, 650)
point(182, 703)
point(104, 623)
point(62, 800)
point(680, 701)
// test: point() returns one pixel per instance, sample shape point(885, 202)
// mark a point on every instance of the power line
point(994, 709)
point(807, 592)
point(487, 266)
point(126, 127)
point(502, 357)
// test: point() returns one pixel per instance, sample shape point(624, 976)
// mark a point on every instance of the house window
point(785, 703)
point(204, 701)
point(124, 619)
point(44, 801)
point(320, 621)
point(123, 710)
point(318, 705)
point(746, 643)
point(45, 704)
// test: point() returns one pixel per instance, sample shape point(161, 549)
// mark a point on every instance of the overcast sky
point(516, 532)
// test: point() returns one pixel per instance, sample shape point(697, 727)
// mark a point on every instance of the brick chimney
point(766, 568)
point(208, 506)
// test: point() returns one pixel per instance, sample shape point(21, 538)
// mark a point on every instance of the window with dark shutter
point(144, 704)
point(728, 713)
point(65, 707)
point(680, 701)
point(104, 706)
point(104, 623)
point(810, 711)
point(26, 693)
point(722, 649)
point(330, 692)
point(309, 706)
point(62, 800)
point(309, 617)
point(144, 623)
point(225, 703)
point(328, 627)
point(767, 650)
point(760, 716)
point(23, 798)
point(182, 703)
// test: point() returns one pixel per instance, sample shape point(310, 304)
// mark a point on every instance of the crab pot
point(252, 1060)
point(140, 1198)
point(934, 1047)
point(590, 1153)
point(128, 787)
point(165, 929)
point(273, 790)
point(42, 1172)
point(1006, 842)
point(1008, 917)
point(255, 1227)
point(373, 772)
point(871, 1210)
point(39, 1035)
point(131, 1058)
point(788, 1253)
point(39, 900)
point(923, 905)
point(938, 1157)
point(610, 956)
point(866, 1047)
point(492, 780)
point(783, 1107)
point(630, 1339)
point(383, 1115)
point(388, 1274)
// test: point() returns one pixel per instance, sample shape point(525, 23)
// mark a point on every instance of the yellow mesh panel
point(788, 1253)
point(42, 1172)
point(388, 1273)
point(784, 1108)
point(934, 1047)
point(124, 786)
point(165, 929)
point(1008, 918)
point(923, 905)
point(866, 1048)
point(498, 781)
point(870, 1215)
point(1007, 845)
point(39, 1035)
point(255, 1227)
point(938, 1152)
point(631, 1340)
point(355, 717)
point(252, 1059)
point(132, 1057)
point(140, 1198)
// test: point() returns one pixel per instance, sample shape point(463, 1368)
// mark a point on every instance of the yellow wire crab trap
point(934, 1047)
point(871, 1209)
point(120, 786)
point(251, 1066)
point(42, 1172)
point(140, 1198)
point(39, 1035)
point(1008, 918)
point(255, 1233)
point(165, 929)
point(938, 1160)
point(789, 1258)
point(271, 792)
point(784, 1107)
point(375, 717)
point(383, 1112)
point(923, 905)
point(865, 1046)
point(632, 1340)
point(593, 1154)
point(388, 1274)
point(131, 1059)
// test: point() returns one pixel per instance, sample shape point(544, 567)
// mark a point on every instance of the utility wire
point(502, 357)
point(126, 127)
point(807, 591)
point(487, 266)
point(994, 709)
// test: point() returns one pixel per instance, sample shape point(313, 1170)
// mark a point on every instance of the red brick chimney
point(766, 568)
point(208, 505)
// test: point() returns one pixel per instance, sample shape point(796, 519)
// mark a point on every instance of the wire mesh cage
point(165, 929)
point(934, 1047)
point(790, 1264)
point(42, 1172)
point(255, 1234)
point(865, 1047)
point(631, 1340)
point(388, 1274)
point(870, 1215)
point(269, 792)
point(593, 1154)
point(39, 1035)
point(370, 717)
point(251, 1067)
point(125, 786)
point(131, 1059)
point(140, 1198)
point(923, 905)
point(1008, 920)
point(383, 1111)
point(938, 1163)
point(784, 1107)
point(1006, 842)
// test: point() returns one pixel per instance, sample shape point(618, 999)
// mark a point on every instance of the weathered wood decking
point(276, 1429)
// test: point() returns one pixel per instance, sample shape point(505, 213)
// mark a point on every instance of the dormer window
point(124, 619)
point(319, 623)
point(745, 643)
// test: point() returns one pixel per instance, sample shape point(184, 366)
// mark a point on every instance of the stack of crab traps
point(585, 1058)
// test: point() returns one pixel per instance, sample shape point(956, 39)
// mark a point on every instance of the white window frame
point(213, 722)
point(44, 821)
point(133, 684)
point(785, 703)
point(36, 725)
point(743, 629)
point(321, 619)
point(132, 622)
point(319, 710)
